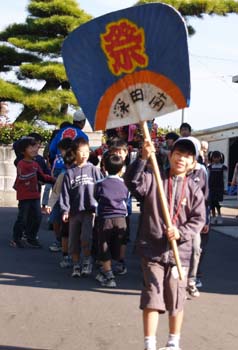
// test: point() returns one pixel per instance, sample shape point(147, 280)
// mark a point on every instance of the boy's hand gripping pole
point(163, 199)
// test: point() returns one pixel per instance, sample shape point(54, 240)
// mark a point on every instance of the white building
point(223, 138)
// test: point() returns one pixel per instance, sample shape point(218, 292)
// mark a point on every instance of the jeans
point(28, 219)
point(194, 262)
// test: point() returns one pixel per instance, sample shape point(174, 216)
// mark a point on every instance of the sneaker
point(219, 220)
point(66, 262)
point(109, 283)
point(198, 283)
point(17, 243)
point(120, 268)
point(33, 243)
point(87, 267)
point(100, 277)
point(106, 279)
point(55, 247)
point(193, 291)
point(109, 280)
point(76, 271)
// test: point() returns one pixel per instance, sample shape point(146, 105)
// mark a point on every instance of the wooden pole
point(163, 200)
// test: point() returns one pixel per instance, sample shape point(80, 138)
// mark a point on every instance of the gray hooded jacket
point(152, 241)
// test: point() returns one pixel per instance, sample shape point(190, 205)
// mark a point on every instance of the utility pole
point(182, 119)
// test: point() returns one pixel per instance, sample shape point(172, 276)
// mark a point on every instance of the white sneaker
point(192, 290)
point(198, 283)
point(66, 262)
point(76, 271)
point(87, 267)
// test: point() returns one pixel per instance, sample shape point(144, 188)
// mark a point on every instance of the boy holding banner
point(162, 288)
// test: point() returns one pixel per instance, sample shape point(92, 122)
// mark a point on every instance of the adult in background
point(72, 131)
point(203, 157)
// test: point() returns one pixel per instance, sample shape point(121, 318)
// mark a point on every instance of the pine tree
point(198, 8)
point(33, 51)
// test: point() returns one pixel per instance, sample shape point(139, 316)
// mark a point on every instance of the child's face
point(121, 152)
point(30, 152)
point(169, 143)
point(216, 160)
point(62, 152)
point(181, 162)
point(82, 154)
point(185, 132)
point(37, 147)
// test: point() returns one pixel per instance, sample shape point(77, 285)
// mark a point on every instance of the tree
point(33, 51)
point(199, 7)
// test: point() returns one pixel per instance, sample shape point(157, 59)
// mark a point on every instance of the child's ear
point(194, 163)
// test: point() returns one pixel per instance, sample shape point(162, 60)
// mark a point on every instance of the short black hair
point(65, 124)
point(79, 141)
point(118, 143)
point(185, 126)
point(36, 136)
point(65, 143)
point(171, 136)
point(69, 157)
point(24, 143)
point(216, 154)
point(113, 164)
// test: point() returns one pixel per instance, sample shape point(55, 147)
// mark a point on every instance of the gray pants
point(195, 258)
point(80, 230)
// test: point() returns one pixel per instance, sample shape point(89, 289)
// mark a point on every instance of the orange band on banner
point(143, 76)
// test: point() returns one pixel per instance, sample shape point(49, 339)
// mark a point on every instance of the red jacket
point(26, 183)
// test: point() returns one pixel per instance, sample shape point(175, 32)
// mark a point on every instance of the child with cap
point(162, 288)
point(72, 130)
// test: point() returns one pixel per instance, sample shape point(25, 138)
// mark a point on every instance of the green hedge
point(12, 132)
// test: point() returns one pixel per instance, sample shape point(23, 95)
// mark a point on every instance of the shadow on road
point(40, 268)
point(6, 347)
point(220, 265)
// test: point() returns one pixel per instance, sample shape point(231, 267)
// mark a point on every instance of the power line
point(215, 58)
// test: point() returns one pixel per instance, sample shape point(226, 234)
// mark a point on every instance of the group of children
point(90, 207)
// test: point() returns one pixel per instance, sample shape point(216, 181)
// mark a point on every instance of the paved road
point(43, 308)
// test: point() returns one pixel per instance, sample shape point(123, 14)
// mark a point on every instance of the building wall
point(8, 170)
point(221, 146)
point(7, 176)
point(218, 138)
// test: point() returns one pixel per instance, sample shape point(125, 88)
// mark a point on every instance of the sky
point(213, 53)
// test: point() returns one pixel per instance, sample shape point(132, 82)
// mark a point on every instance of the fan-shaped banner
point(130, 65)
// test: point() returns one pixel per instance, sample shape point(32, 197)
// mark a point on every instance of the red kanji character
point(124, 45)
